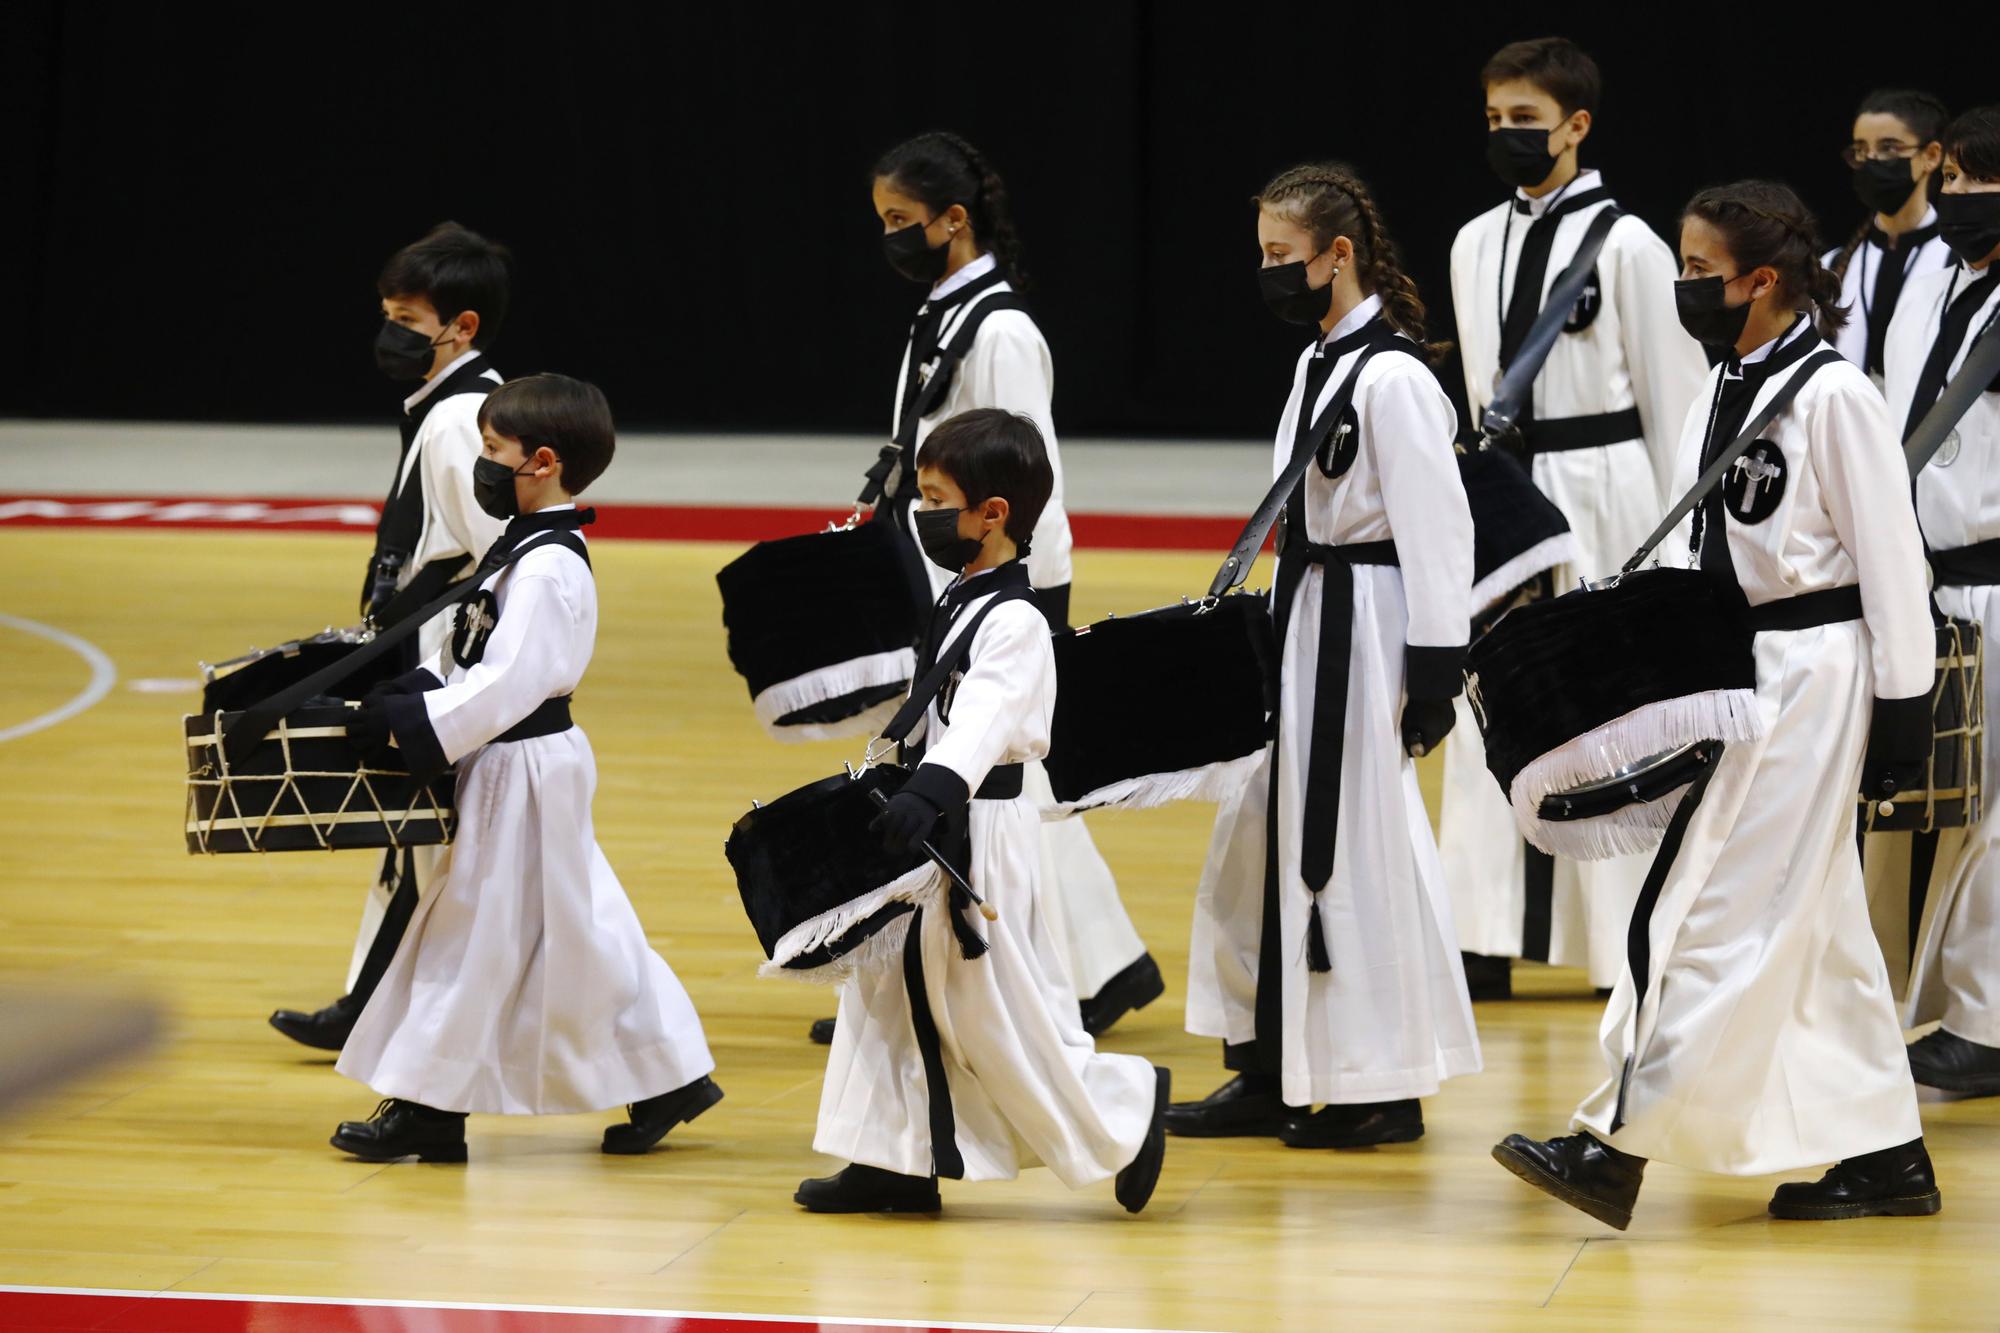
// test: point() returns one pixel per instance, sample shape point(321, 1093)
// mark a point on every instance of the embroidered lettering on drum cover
point(1584, 313)
point(476, 619)
point(1342, 446)
point(1755, 483)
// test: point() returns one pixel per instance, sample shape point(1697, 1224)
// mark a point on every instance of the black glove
point(410, 682)
point(1426, 722)
point(906, 821)
point(1899, 745)
point(368, 733)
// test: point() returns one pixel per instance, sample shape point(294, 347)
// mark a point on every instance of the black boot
point(822, 1031)
point(1247, 1105)
point(1582, 1171)
point(402, 1129)
point(1488, 978)
point(1137, 985)
point(1355, 1125)
point(868, 1189)
point(652, 1118)
point(325, 1030)
point(1895, 1182)
point(1135, 1183)
point(1942, 1060)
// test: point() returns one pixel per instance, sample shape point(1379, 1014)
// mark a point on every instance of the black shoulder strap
point(1519, 382)
point(949, 660)
point(1977, 371)
point(1712, 478)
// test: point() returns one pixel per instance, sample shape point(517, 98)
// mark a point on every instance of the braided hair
point(939, 169)
point(1766, 223)
point(1924, 116)
point(1329, 200)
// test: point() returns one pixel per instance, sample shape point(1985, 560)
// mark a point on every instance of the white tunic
point(525, 985)
point(1391, 1020)
point(1956, 973)
point(1027, 1084)
point(1857, 285)
point(1767, 1038)
point(1632, 353)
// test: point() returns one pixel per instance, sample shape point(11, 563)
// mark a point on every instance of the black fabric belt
point(1354, 553)
point(550, 719)
point(1974, 566)
point(1555, 435)
point(1828, 606)
point(1003, 783)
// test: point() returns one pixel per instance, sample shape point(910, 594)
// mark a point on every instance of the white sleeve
point(1004, 702)
point(1867, 487)
point(1008, 366)
point(525, 661)
point(1465, 307)
point(1410, 428)
point(455, 527)
point(1666, 365)
point(1672, 552)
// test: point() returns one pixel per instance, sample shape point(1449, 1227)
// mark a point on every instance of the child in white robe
point(525, 984)
point(971, 1068)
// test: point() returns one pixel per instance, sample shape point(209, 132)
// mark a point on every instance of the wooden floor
point(205, 1167)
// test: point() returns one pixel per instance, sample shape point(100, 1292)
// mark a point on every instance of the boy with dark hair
point(444, 299)
point(942, 1064)
point(525, 985)
point(1598, 430)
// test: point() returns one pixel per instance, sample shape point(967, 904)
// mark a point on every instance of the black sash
point(1525, 340)
point(401, 525)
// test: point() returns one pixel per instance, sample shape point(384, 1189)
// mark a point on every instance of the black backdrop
point(197, 198)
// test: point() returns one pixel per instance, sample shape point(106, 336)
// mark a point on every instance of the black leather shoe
point(1582, 1171)
point(869, 1189)
point(1137, 985)
point(652, 1118)
point(1135, 1183)
point(822, 1031)
point(1355, 1125)
point(1941, 1060)
point(1488, 978)
point(1246, 1105)
point(403, 1129)
point(1895, 1182)
point(325, 1030)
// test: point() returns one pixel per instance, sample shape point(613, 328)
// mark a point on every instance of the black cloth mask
point(1520, 156)
point(937, 533)
point(1290, 295)
point(1970, 224)
point(402, 353)
point(493, 487)
point(1884, 184)
point(910, 252)
point(1705, 312)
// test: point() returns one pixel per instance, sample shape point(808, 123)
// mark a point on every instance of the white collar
point(1586, 179)
point(1796, 330)
point(410, 403)
point(1370, 307)
point(977, 269)
point(1875, 233)
point(556, 509)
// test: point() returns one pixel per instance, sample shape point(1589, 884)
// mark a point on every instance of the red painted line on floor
point(643, 522)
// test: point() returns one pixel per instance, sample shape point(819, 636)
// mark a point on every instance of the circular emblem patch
point(1584, 313)
point(1342, 445)
point(1755, 483)
point(1947, 453)
point(476, 619)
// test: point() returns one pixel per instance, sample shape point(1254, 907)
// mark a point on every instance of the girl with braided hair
point(1753, 1029)
point(1323, 954)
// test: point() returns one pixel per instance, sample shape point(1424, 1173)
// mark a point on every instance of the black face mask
point(1970, 224)
point(910, 252)
point(1885, 185)
point(402, 353)
point(1703, 305)
point(1520, 157)
point(493, 487)
point(1290, 295)
point(937, 533)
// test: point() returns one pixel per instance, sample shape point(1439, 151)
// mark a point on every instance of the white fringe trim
point(923, 887)
point(1211, 782)
point(895, 667)
point(1560, 549)
point(1713, 715)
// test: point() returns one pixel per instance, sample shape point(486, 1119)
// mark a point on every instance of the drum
point(823, 630)
point(1518, 534)
point(242, 681)
point(1599, 707)
point(1169, 705)
point(1951, 797)
point(818, 886)
point(303, 788)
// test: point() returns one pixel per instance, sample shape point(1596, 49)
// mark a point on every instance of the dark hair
point(570, 416)
point(939, 169)
point(1765, 223)
point(1974, 140)
point(1556, 65)
point(1329, 200)
point(989, 451)
point(1926, 117)
point(456, 270)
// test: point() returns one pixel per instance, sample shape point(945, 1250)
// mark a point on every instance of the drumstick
point(986, 909)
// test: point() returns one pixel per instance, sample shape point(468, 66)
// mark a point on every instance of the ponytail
point(1764, 223)
point(939, 169)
